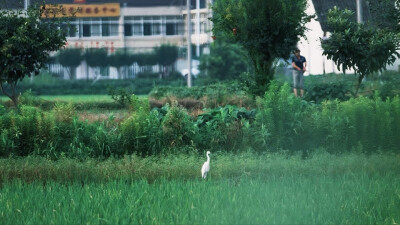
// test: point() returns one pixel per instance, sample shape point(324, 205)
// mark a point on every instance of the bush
point(284, 121)
point(120, 95)
point(209, 96)
point(331, 91)
point(45, 84)
point(225, 127)
point(141, 131)
point(178, 129)
point(281, 122)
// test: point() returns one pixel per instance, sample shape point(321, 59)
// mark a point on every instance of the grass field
point(242, 189)
point(70, 98)
point(77, 98)
point(349, 199)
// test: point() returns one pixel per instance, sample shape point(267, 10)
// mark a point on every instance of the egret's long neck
point(208, 158)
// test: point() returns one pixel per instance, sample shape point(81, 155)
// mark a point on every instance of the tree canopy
point(25, 44)
point(225, 61)
point(70, 58)
point(267, 30)
point(365, 48)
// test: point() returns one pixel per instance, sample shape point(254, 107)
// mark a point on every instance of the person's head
point(296, 52)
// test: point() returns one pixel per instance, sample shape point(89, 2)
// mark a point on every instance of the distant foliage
point(267, 30)
point(226, 61)
point(70, 58)
point(26, 42)
point(281, 122)
point(330, 91)
point(120, 95)
point(361, 47)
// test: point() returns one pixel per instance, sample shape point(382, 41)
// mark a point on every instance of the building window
point(153, 25)
point(137, 29)
point(92, 27)
point(128, 29)
point(109, 27)
point(147, 29)
point(170, 29)
point(86, 30)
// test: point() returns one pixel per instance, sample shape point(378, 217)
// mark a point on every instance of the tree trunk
point(360, 78)
point(264, 74)
point(13, 96)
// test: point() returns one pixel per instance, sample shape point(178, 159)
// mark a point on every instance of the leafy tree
point(166, 56)
point(362, 47)
point(70, 58)
point(385, 14)
point(225, 61)
point(121, 60)
point(25, 43)
point(146, 59)
point(267, 30)
point(97, 59)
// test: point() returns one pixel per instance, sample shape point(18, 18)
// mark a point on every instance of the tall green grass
point(187, 166)
point(349, 199)
point(282, 122)
point(243, 188)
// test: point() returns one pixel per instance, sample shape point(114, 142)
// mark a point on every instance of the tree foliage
point(166, 56)
point(96, 58)
point(364, 48)
point(70, 58)
point(385, 14)
point(146, 59)
point(120, 60)
point(25, 43)
point(225, 61)
point(266, 29)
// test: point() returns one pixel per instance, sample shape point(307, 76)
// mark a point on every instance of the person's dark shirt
point(299, 61)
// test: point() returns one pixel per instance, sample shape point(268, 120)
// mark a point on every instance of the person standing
point(299, 65)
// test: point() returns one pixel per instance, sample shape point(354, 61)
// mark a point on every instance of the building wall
point(168, 22)
point(312, 50)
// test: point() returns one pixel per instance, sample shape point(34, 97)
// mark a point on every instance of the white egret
point(206, 166)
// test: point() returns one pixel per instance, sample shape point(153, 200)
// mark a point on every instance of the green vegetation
point(267, 31)
point(26, 42)
point(226, 61)
point(352, 45)
point(70, 58)
point(280, 122)
point(46, 84)
point(243, 189)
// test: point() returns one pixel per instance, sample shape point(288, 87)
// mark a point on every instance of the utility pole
point(359, 11)
point(189, 45)
point(198, 28)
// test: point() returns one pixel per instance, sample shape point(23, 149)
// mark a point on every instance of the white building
point(141, 25)
point(135, 25)
point(311, 46)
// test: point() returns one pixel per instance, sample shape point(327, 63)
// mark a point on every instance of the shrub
point(283, 119)
point(224, 127)
point(210, 96)
point(331, 91)
point(120, 95)
point(178, 129)
point(141, 131)
point(63, 112)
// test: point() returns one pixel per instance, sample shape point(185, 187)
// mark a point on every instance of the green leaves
point(266, 29)
point(225, 61)
point(25, 44)
point(361, 47)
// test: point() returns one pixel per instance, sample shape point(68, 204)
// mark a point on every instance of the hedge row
point(280, 122)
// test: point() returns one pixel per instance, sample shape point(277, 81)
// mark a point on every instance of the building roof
point(322, 7)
